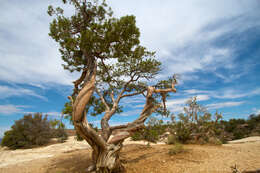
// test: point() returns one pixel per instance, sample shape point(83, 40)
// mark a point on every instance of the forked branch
point(124, 131)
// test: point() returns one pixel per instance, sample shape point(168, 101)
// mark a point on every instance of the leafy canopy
point(92, 33)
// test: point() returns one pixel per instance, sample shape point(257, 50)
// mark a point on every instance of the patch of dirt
point(139, 158)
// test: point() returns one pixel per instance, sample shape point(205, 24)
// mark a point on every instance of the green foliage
point(152, 131)
point(183, 132)
point(93, 34)
point(197, 125)
point(27, 132)
point(240, 128)
point(176, 149)
point(171, 139)
point(33, 130)
point(58, 130)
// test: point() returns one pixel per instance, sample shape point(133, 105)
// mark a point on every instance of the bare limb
point(126, 130)
point(133, 94)
point(102, 99)
point(112, 96)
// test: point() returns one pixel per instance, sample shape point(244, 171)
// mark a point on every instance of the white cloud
point(195, 91)
point(179, 31)
point(28, 55)
point(224, 93)
point(182, 32)
point(11, 109)
point(6, 92)
point(256, 111)
point(135, 112)
point(176, 105)
point(202, 97)
point(223, 105)
point(51, 113)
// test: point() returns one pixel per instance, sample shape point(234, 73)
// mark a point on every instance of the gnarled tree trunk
point(107, 161)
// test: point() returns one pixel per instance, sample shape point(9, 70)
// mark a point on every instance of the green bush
point(171, 139)
point(137, 136)
point(33, 130)
point(176, 149)
point(28, 132)
point(151, 132)
point(58, 130)
point(183, 132)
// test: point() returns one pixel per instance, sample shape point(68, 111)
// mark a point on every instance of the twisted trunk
point(107, 161)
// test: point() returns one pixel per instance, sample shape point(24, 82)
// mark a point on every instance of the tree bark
point(107, 161)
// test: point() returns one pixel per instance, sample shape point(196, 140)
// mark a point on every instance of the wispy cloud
point(176, 105)
point(183, 41)
point(51, 113)
point(256, 111)
point(6, 92)
point(225, 93)
point(195, 91)
point(135, 112)
point(224, 105)
point(11, 109)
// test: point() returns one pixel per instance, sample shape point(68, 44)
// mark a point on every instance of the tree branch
point(126, 130)
point(133, 94)
point(103, 100)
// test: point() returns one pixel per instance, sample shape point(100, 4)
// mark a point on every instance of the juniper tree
point(106, 51)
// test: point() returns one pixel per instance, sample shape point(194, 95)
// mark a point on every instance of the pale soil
point(249, 139)
point(73, 156)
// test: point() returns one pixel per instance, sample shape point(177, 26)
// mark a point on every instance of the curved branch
point(102, 99)
point(126, 130)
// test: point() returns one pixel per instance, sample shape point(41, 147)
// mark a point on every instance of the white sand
point(249, 139)
point(10, 157)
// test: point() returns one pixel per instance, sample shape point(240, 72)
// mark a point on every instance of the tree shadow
point(76, 162)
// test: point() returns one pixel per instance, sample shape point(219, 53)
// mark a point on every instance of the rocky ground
point(138, 157)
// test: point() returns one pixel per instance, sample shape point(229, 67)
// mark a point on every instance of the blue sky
point(213, 45)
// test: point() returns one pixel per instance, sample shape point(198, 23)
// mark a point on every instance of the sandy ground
point(244, 140)
point(12, 157)
point(137, 158)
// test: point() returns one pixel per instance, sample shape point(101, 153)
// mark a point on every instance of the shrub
point(151, 133)
point(58, 130)
point(171, 139)
point(137, 136)
point(33, 130)
point(183, 132)
point(28, 132)
point(176, 149)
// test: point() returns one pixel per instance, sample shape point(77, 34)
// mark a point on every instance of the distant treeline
point(240, 128)
point(202, 129)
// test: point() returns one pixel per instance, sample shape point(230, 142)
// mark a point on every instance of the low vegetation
point(176, 149)
point(33, 130)
point(197, 125)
